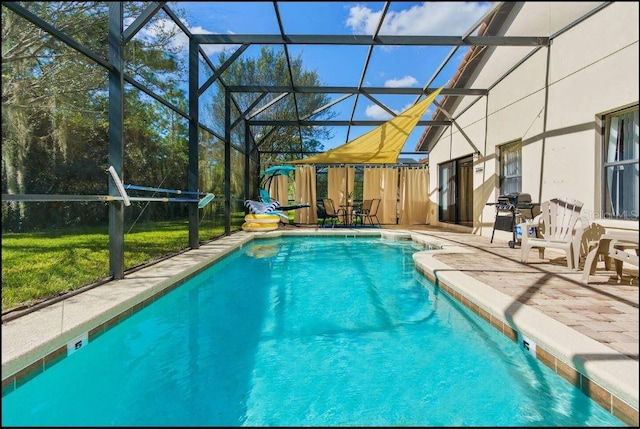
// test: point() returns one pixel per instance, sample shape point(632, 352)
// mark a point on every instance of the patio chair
point(368, 210)
point(616, 245)
point(329, 212)
point(557, 227)
point(359, 211)
point(265, 197)
point(321, 212)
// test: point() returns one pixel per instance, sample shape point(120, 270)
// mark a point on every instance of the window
point(511, 168)
point(620, 165)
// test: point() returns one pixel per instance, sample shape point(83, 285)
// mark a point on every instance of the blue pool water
point(303, 331)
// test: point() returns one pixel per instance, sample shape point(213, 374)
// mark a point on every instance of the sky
point(397, 66)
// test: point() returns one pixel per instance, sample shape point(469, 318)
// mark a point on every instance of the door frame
point(452, 188)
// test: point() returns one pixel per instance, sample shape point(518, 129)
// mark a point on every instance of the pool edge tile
point(625, 412)
point(448, 281)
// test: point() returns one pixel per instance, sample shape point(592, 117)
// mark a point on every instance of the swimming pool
point(303, 331)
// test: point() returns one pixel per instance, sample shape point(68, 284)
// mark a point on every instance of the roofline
point(466, 69)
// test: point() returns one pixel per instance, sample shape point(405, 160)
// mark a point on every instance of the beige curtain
point(388, 211)
point(414, 196)
point(374, 186)
point(340, 184)
point(279, 189)
point(465, 194)
point(305, 192)
point(382, 182)
point(371, 183)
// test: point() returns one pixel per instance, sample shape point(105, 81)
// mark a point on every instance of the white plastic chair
point(557, 226)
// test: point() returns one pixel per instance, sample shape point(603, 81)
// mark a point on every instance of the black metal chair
point(327, 210)
point(359, 213)
point(369, 210)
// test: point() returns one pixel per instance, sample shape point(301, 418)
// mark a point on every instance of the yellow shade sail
point(382, 145)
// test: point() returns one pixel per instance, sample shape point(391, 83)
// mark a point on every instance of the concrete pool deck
point(588, 334)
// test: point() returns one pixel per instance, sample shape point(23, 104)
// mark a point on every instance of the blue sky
point(403, 66)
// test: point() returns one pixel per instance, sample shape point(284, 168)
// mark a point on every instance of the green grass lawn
point(41, 265)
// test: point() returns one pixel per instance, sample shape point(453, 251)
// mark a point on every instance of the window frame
point(610, 208)
point(503, 150)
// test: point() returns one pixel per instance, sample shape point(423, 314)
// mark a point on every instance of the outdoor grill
point(511, 210)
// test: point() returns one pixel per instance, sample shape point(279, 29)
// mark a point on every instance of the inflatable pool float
point(262, 218)
point(258, 227)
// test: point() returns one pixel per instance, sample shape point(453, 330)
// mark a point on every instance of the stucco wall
point(591, 69)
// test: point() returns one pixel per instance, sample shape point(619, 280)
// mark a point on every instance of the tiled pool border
point(450, 281)
point(425, 263)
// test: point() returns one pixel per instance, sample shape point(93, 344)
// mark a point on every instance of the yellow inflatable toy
point(262, 218)
point(258, 227)
point(260, 222)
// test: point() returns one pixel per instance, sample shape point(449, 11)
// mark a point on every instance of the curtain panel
point(414, 196)
point(279, 189)
point(305, 192)
point(340, 184)
point(382, 182)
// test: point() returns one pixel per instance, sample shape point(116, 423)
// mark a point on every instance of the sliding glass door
point(456, 191)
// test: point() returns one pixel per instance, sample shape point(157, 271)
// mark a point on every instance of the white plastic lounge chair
point(557, 226)
point(615, 245)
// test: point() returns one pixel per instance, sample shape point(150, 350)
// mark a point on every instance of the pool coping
point(605, 375)
point(36, 341)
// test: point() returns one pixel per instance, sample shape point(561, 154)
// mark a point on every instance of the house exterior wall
point(587, 71)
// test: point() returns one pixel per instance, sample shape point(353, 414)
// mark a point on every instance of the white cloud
point(427, 19)
point(362, 20)
point(377, 113)
point(400, 83)
point(181, 41)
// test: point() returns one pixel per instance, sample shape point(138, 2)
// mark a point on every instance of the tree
point(55, 104)
point(271, 69)
point(46, 87)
